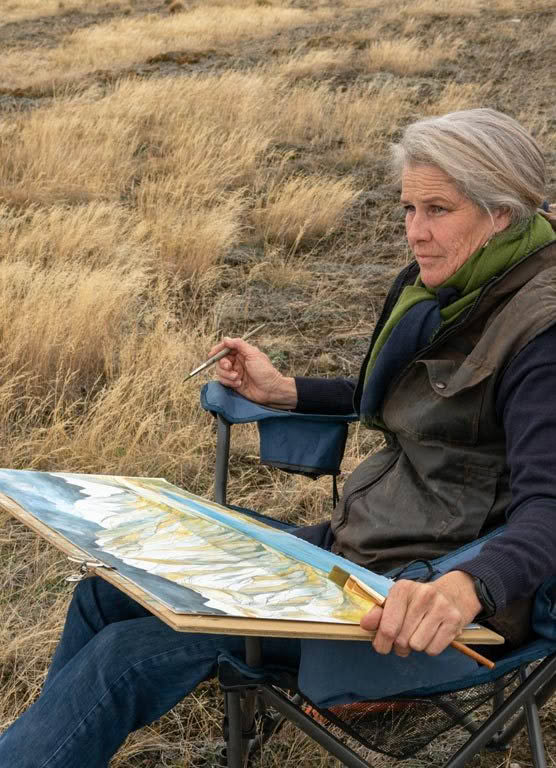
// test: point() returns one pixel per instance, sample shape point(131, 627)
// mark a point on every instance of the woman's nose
point(417, 228)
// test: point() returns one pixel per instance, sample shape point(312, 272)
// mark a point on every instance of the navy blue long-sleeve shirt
point(515, 563)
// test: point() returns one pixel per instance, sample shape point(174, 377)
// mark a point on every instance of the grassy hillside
point(172, 172)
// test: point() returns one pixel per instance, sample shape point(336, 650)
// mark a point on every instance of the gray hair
point(492, 159)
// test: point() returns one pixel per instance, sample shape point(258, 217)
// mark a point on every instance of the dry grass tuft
point(69, 401)
point(456, 96)
point(280, 271)
point(318, 63)
point(75, 154)
point(347, 124)
point(92, 303)
point(444, 8)
point(191, 240)
point(302, 209)
point(94, 235)
point(409, 56)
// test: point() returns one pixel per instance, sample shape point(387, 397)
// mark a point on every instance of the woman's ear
point(502, 219)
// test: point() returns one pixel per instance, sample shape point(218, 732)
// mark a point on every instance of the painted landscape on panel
point(192, 555)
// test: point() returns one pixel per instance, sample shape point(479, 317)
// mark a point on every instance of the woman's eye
point(408, 208)
point(437, 209)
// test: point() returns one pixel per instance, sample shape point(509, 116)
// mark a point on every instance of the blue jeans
point(116, 668)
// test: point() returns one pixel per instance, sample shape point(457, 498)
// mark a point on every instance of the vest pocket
point(470, 510)
point(448, 378)
point(438, 400)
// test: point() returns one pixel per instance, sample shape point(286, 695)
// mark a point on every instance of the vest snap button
point(440, 385)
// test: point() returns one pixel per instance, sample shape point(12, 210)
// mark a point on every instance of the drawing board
point(195, 564)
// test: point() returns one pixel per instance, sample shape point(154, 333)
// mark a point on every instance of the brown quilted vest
point(442, 479)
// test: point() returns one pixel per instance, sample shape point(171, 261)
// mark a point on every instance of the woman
point(460, 377)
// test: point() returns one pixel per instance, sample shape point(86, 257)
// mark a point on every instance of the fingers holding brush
point(230, 369)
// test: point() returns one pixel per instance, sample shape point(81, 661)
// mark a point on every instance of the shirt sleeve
point(515, 563)
point(330, 396)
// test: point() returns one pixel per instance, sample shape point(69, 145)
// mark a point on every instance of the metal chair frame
point(244, 696)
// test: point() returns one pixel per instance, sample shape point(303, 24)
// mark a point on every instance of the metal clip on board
point(85, 567)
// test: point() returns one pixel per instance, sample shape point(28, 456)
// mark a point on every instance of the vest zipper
point(360, 490)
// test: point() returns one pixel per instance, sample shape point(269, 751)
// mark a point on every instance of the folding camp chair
point(521, 683)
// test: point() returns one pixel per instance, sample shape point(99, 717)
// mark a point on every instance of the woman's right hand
point(248, 371)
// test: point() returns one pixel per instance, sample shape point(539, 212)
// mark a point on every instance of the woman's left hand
point(423, 617)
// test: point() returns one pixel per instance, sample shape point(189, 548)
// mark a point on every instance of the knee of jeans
point(83, 587)
point(113, 643)
point(85, 590)
point(109, 656)
point(93, 592)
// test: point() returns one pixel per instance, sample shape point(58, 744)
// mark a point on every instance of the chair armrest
point(307, 443)
point(236, 409)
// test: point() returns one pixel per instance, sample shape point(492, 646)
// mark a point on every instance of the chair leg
point(464, 720)
point(534, 729)
point(222, 459)
point(498, 743)
point(241, 706)
point(542, 695)
point(517, 700)
point(314, 730)
point(234, 736)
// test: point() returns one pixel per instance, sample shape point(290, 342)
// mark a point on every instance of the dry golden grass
point(279, 272)
point(191, 240)
point(75, 154)
point(318, 63)
point(521, 6)
point(69, 403)
point(303, 208)
point(125, 42)
point(19, 10)
point(402, 56)
point(188, 153)
point(142, 218)
point(369, 4)
point(349, 124)
point(83, 305)
point(444, 8)
point(97, 234)
point(409, 56)
point(456, 96)
point(197, 129)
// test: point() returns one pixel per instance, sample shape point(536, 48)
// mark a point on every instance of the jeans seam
point(128, 669)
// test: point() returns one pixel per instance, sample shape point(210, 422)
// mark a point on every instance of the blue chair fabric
point(312, 444)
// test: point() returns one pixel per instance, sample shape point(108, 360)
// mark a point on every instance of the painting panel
point(192, 555)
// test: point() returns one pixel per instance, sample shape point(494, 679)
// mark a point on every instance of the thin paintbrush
point(223, 352)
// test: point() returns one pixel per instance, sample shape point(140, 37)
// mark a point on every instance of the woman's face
point(443, 227)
